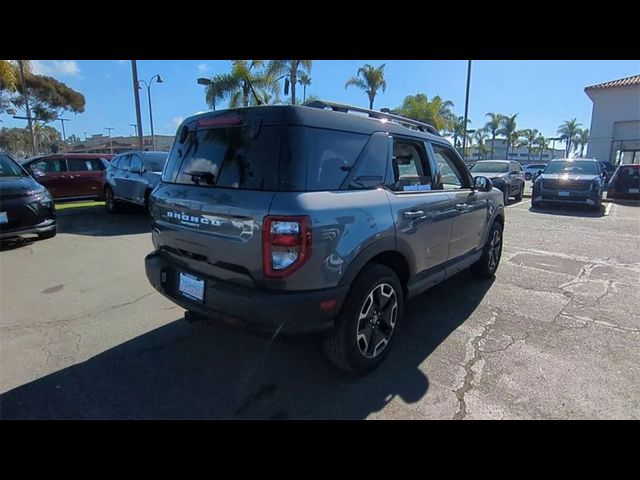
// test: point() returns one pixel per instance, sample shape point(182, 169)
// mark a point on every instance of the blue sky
point(543, 93)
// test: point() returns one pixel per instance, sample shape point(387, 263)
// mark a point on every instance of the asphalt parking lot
point(556, 335)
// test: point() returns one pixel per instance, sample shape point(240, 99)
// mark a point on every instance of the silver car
point(131, 177)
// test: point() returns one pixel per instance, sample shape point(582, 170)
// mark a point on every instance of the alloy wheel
point(377, 320)
point(495, 250)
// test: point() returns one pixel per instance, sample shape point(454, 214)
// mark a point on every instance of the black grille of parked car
point(576, 185)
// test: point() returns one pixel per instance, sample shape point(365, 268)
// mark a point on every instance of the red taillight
point(286, 244)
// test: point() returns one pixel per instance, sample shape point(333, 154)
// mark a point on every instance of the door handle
point(462, 207)
point(414, 214)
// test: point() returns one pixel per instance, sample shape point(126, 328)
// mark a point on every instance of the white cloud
point(55, 67)
point(203, 67)
point(175, 123)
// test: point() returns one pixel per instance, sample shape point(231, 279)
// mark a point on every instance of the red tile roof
point(622, 82)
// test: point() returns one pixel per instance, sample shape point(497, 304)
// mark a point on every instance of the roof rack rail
point(407, 122)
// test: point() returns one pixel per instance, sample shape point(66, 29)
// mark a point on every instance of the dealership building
point(614, 135)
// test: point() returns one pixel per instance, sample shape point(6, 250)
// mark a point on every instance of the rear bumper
point(258, 309)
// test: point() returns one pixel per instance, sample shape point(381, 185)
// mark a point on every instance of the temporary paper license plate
point(564, 194)
point(191, 287)
point(3, 217)
point(631, 190)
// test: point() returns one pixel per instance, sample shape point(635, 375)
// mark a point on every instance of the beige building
point(100, 144)
point(614, 135)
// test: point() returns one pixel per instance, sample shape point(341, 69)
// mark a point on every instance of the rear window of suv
point(286, 158)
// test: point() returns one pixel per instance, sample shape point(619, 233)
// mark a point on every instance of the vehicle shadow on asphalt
point(96, 221)
point(212, 371)
point(17, 242)
point(570, 211)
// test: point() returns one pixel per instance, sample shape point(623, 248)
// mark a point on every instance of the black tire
point(520, 193)
point(505, 195)
point(598, 205)
point(112, 205)
point(527, 176)
point(345, 344)
point(488, 263)
point(51, 234)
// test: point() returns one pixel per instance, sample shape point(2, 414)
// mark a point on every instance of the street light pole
point(135, 129)
point(466, 110)
point(206, 82)
point(110, 144)
point(136, 85)
point(62, 120)
point(26, 103)
point(158, 80)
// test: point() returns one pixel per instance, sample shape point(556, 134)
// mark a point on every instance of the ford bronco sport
point(319, 218)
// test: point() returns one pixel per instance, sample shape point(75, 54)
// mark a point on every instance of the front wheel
point(110, 201)
point(520, 193)
point(365, 326)
point(488, 263)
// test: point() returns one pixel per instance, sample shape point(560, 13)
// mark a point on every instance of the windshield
point(580, 167)
point(9, 168)
point(156, 161)
point(491, 167)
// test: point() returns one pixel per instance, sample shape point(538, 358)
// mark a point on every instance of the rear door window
point(318, 159)
point(136, 163)
point(49, 165)
point(229, 157)
point(79, 165)
point(124, 162)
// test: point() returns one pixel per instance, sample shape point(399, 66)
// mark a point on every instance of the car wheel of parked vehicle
point(488, 263)
point(598, 205)
point(366, 324)
point(505, 195)
point(44, 236)
point(110, 202)
point(520, 193)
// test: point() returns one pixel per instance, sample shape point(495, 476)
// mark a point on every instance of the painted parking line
point(607, 209)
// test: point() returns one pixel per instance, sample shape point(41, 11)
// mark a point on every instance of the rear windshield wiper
point(208, 177)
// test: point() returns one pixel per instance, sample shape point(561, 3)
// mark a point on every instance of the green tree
point(48, 98)
point(369, 79)
point(71, 139)
point(235, 86)
point(9, 79)
point(529, 135)
point(493, 126)
point(305, 81)
point(508, 130)
point(541, 143)
point(480, 136)
point(290, 70)
point(436, 112)
point(568, 131)
point(581, 139)
point(458, 129)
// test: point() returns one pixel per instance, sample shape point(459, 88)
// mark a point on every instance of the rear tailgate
point(212, 231)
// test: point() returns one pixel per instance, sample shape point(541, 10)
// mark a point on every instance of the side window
point(78, 165)
point(136, 163)
point(450, 176)
point(49, 166)
point(114, 162)
point(124, 162)
point(410, 171)
point(370, 168)
point(98, 164)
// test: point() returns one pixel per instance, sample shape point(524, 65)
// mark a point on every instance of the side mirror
point(482, 184)
point(36, 172)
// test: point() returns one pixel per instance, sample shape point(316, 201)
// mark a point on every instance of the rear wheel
point(110, 201)
point(488, 263)
point(366, 324)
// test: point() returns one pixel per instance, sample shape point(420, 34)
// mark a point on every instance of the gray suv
point(131, 177)
point(319, 218)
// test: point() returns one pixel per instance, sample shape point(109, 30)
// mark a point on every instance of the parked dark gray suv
point(314, 219)
point(131, 177)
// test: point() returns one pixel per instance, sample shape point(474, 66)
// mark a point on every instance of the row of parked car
point(28, 190)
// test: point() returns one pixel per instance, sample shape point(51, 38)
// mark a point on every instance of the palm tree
point(236, 85)
point(530, 135)
point(542, 143)
point(581, 139)
point(436, 112)
point(493, 126)
point(458, 129)
point(507, 130)
point(480, 136)
point(305, 81)
point(290, 70)
point(370, 79)
point(568, 131)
